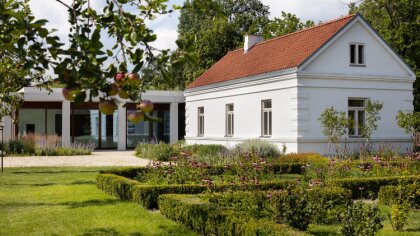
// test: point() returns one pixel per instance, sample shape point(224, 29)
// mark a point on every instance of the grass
point(65, 201)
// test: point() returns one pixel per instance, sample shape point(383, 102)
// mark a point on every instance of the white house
point(47, 113)
point(276, 89)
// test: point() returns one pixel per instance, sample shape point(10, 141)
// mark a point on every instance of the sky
point(166, 26)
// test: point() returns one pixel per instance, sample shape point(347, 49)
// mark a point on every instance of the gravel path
point(100, 158)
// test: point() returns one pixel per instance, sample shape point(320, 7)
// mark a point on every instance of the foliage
point(48, 145)
point(214, 28)
point(257, 147)
point(115, 185)
point(410, 122)
point(361, 219)
point(369, 187)
point(335, 125)
point(212, 154)
point(157, 152)
point(397, 23)
point(24, 46)
point(147, 194)
point(399, 215)
point(210, 219)
point(84, 65)
point(372, 117)
point(399, 194)
point(288, 23)
point(302, 158)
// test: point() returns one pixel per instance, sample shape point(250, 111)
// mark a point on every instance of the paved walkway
point(100, 158)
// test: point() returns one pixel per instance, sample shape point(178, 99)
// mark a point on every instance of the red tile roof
point(287, 51)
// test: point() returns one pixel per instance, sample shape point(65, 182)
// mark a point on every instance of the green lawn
point(65, 201)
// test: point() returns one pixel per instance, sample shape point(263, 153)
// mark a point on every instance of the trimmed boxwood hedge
point(389, 194)
point(147, 195)
point(279, 168)
point(210, 219)
point(115, 185)
point(369, 187)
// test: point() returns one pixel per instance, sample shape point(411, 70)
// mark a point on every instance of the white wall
point(322, 93)
point(247, 112)
point(379, 60)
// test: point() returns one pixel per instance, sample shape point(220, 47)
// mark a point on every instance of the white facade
point(301, 94)
point(38, 117)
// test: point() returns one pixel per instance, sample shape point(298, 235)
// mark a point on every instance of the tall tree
point(214, 33)
point(288, 23)
point(398, 23)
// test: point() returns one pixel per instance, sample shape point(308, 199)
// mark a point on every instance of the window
point(200, 121)
point(266, 117)
point(229, 120)
point(357, 115)
point(357, 54)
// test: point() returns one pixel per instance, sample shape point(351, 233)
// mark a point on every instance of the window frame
point(229, 113)
point(200, 121)
point(356, 54)
point(356, 110)
point(270, 119)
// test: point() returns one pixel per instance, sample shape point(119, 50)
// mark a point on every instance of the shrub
point(147, 195)
point(257, 147)
point(389, 195)
point(300, 207)
point(361, 219)
point(114, 185)
point(157, 152)
point(399, 215)
point(47, 145)
point(213, 154)
point(16, 146)
point(369, 187)
point(297, 207)
point(210, 219)
point(303, 158)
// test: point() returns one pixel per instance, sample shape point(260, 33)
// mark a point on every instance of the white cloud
point(166, 38)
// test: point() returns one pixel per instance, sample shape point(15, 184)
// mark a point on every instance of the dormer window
point(357, 54)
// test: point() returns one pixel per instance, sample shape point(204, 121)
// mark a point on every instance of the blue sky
point(166, 26)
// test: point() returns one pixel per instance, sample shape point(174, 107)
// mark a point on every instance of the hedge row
point(389, 195)
point(147, 195)
point(296, 206)
point(210, 219)
point(279, 168)
point(115, 185)
point(369, 187)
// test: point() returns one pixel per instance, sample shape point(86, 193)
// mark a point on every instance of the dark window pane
point(361, 54)
point(356, 103)
point(267, 104)
point(352, 53)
